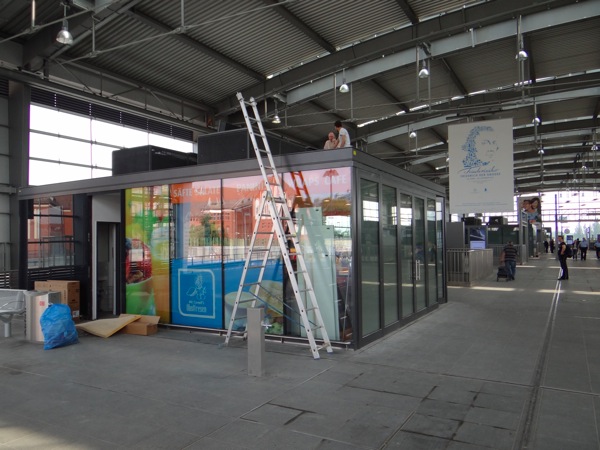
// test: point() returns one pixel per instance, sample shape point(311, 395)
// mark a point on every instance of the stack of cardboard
point(69, 293)
point(144, 325)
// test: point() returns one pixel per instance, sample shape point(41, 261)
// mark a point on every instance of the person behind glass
point(583, 246)
point(509, 258)
point(562, 258)
point(331, 142)
point(343, 135)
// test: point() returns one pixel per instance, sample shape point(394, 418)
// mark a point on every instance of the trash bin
point(36, 303)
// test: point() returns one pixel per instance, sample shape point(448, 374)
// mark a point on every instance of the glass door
point(431, 254)
point(389, 249)
point(406, 254)
point(369, 258)
point(419, 252)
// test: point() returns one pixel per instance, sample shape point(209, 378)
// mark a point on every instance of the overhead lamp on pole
point(64, 36)
point(424, 72)
point(344, 88)
point(276, 119)
point(413, 135)
point(521, 55)
point(424, 69)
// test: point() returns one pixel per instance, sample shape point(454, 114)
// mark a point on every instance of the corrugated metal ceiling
point(231, 46)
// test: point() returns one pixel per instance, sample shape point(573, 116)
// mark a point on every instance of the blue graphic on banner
point(196, 294)
point(197, 297)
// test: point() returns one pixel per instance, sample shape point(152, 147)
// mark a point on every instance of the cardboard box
point(69, 291)
point(144, 326)
point(41, 285)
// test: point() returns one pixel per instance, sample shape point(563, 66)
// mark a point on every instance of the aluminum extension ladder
point(274, 200)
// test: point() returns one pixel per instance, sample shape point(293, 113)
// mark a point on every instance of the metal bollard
point(256, 342)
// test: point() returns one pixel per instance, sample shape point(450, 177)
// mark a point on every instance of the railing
point(466, 266)
point(9, 279)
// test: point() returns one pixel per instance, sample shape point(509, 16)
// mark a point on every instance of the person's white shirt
point(343, 138)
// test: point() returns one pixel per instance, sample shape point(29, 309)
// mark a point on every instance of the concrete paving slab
point(461, 378)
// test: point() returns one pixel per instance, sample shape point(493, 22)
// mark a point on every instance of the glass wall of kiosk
point(372, 236)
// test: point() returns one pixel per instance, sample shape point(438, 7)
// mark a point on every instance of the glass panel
point(431, 253)
point(369, 242)
point(419, 227)
point(168, 142)
point(321, 204)
point(147, 221)
point(59, 148)
point(196, 275)
point(389, 250)
point(50, 232)
point(439, 217)
point(69, 147)
point(102, 156)
point(406, 254)
point(241, 202)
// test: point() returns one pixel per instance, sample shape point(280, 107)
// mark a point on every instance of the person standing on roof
point(331, 142)
point(343, 135)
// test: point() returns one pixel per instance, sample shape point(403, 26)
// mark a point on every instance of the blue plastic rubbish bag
point(58, 327)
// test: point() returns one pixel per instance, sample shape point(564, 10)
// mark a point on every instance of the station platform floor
point(502, 365)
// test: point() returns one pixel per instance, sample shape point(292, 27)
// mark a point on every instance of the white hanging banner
point(481, 167)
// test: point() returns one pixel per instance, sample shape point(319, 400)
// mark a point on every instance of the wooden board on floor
point(107, 327)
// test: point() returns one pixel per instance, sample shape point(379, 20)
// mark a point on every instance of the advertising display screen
point(477, 238)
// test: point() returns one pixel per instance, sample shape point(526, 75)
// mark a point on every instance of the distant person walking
point(551, 245)
point(562, 258)
point(583, 246)
point(509, 258)
point(597, 247)
point(546, 245)
point(576, 248)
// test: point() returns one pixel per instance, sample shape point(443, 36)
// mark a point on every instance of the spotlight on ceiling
point(536, 121)
point(64, 36)
point(412, 134)
point(541, 151)
point(344, 88)
point(424, 72)
point(594, 148)
point(522, 55)
point(276, 119)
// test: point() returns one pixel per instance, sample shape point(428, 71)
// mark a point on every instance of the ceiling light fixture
point(424, 72)
point(276, 119)
point(344, 88)
point(541, 151)
point(522, 55)
point(536, 120)
point(64, 36)
point(412, 134)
